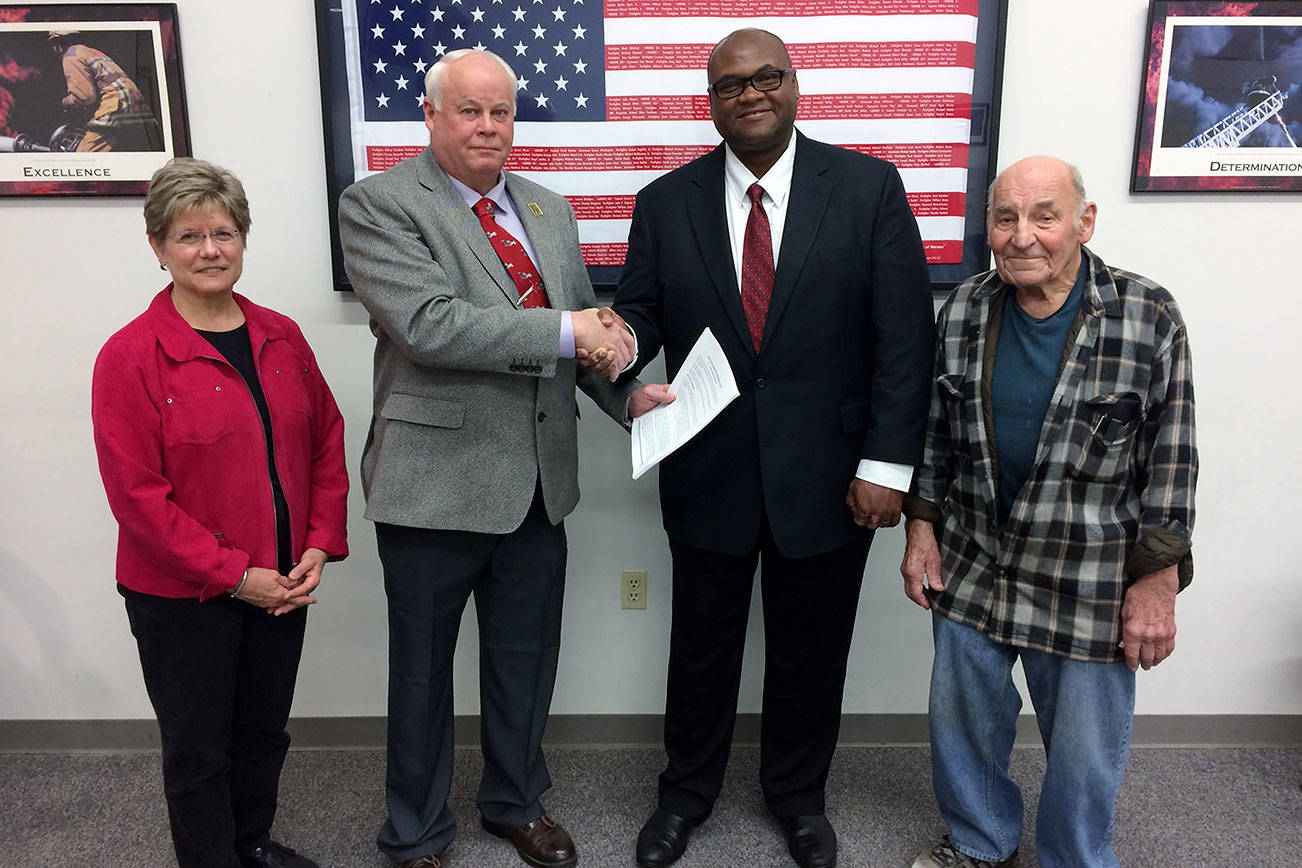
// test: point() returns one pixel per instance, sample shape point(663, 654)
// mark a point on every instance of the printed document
point(703, 387)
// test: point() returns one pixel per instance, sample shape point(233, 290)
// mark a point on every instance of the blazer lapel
point(807, 202)
point(451, 210)
point(706, 213)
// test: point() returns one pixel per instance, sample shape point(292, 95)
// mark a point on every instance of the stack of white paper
point(703, 387)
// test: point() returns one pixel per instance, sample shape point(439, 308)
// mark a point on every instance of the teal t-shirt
point(1026, 369)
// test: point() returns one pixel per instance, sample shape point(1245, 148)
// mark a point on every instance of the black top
point(238, 350)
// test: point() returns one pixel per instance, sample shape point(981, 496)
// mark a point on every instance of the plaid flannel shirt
point(1110, 495)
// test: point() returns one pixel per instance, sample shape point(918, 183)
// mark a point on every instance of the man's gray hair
point(434, 77)
point(1077, 184)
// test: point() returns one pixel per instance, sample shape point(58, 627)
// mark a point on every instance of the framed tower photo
point(1220, 106)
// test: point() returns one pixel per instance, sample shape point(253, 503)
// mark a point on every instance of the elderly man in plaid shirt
point(1049, 521)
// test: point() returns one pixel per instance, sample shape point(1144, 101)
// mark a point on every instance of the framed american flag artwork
point(613, 94)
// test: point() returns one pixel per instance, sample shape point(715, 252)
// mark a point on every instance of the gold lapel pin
point(533, 207)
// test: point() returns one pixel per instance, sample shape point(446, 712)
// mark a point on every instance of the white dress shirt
point(777, 194)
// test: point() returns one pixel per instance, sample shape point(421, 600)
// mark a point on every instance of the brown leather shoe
point(429, 860)
point(544, 843)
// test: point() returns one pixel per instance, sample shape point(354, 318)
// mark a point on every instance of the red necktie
point(528, 282)
point(756, 266)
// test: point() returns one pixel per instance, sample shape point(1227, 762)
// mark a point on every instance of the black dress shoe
point(811, 841)
point(663, 839)
point(275, 855)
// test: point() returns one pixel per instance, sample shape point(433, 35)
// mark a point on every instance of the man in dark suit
point(479, 302)
point(805, 262)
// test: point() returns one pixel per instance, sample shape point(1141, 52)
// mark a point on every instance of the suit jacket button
point(542, 416)
point(759, 384)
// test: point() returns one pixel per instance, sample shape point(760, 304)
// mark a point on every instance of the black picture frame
point(1220, 102)
point(982, 147)
point(92, 98)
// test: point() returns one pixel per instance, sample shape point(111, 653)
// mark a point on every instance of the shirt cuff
point(566, 349)
point(896, 476)
point(924, 510)
point(634, 360)
point(1159, 548)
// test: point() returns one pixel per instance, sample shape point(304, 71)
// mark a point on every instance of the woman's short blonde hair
point(187, 184)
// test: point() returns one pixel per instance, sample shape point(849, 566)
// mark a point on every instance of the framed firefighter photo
point(1220, 103)
point(91, 97)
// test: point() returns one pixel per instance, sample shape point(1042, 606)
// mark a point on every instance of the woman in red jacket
point(222, 454)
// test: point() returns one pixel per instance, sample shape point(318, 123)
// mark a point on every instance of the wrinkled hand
point(873, 505)
point(1148, 618)
point(921, 565)
point(264, 588)
point(602, 342)
point(648, 398)
point(301, 581)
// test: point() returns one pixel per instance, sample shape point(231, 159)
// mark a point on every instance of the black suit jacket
point(844, 370)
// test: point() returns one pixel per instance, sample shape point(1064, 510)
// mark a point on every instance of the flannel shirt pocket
point(1109, 423)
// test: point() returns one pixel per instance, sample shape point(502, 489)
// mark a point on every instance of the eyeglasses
point(218, 236)
point(764, 80)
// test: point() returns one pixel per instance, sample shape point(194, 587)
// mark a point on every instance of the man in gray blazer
point(480, 304)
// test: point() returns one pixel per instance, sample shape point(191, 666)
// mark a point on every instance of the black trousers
point(809, 612)
point(518, 580)
point(220, 675)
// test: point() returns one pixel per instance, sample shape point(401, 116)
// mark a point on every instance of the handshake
point(602, 342)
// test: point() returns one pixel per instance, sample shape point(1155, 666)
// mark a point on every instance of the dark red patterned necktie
point(756, 266)
point(528, 282)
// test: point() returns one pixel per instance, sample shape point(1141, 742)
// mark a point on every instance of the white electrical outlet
point(632, 589)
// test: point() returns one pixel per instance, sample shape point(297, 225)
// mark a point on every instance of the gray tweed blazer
point(472, 407)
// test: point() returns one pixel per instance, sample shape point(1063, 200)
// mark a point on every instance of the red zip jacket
point(184, 461)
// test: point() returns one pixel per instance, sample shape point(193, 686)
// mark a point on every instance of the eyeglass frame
point(749, 81)
point(204, 236)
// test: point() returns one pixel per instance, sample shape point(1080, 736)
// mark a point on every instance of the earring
point(162, 267)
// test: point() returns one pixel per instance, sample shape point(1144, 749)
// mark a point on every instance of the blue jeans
point(1084, 712)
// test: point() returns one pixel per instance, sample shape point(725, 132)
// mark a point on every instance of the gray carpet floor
point(1179, 807)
